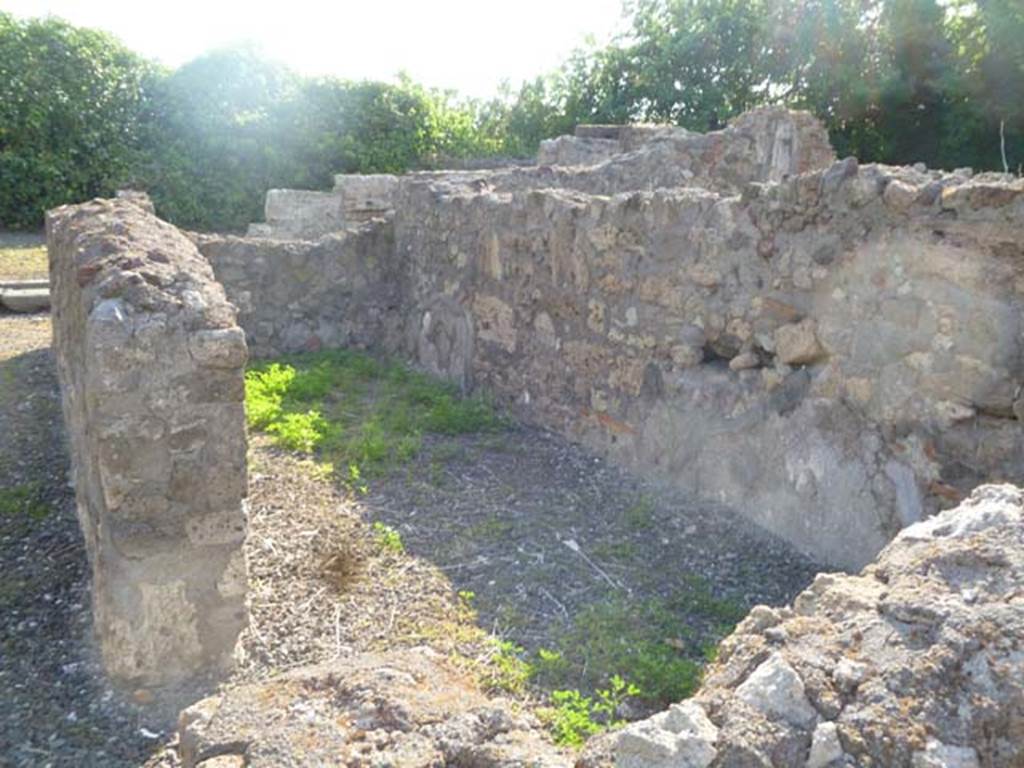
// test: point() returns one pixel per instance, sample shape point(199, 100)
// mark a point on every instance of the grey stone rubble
point(404, 708)
point(150, 362)
point(917, 661)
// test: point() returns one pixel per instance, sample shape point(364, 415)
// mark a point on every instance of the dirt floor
point(489, 547)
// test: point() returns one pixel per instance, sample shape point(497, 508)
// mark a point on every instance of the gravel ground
point(56, 709)
point(533, 527)
point(538, 529)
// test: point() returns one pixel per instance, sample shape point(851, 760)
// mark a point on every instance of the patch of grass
point(640, 514)
point(388, 538)
point(356, 411)
point(23, 501)
point(659, 645)
point(23, 261)
point(299, 431)
point(698, 599)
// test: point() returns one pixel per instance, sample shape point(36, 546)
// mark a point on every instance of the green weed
point(508, 670)
point(23, 500)
point(573, 717)
point(299, 431)
point(388, 537)
point(354, 410)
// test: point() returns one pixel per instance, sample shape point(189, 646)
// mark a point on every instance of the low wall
point(301, 214)
point(344, 289)
point(151, 362)
point(836, 355)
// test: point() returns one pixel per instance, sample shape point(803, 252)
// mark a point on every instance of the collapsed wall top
point(762, 145)
point(150, 361)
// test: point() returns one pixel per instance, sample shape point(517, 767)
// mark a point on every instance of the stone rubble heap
point(917, 661)
point(404, 708)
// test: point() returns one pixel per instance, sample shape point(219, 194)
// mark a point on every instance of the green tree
point(70, 106)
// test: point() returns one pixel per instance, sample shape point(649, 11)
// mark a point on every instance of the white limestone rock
point(775, 689)
point(680, 737)
point(825, 746)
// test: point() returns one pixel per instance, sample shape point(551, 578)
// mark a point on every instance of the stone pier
point(151, 364)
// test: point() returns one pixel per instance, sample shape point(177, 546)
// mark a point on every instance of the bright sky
point(470, 45)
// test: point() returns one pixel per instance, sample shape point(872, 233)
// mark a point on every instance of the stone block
point(797, 343)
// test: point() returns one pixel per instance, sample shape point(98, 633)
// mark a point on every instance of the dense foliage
point(81, 115)
point(70, 100)
point(897, 81)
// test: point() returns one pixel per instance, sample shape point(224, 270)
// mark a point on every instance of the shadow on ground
point(57, 709)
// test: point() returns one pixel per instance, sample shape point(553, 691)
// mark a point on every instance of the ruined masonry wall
point(837, 355)
point(762, 145)
point(151, 362)
point(344, 289)
point(835, 350)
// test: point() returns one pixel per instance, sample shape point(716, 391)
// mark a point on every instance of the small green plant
point(23, 500)
point(573, 717)
point(570, 718)
point(388, 537)
point(508, 671)
point(354, 479)
point(467, 596)
point(265, 389)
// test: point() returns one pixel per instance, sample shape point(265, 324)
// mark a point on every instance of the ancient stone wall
point(836, 350)
point(151, 363)
point(343, 289)
point(837, 355)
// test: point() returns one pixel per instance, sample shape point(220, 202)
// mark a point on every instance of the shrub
point(72, 102)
